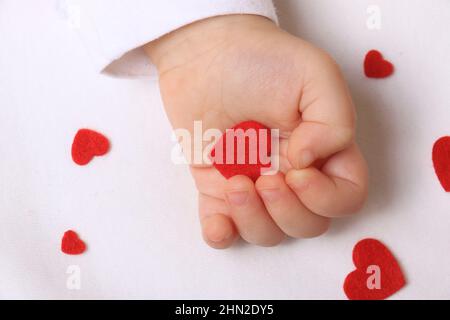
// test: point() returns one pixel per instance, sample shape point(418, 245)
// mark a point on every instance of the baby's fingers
point(287, 210)
point(218, 229)
point(249, 213)
point(328, 116)
point(339, 189)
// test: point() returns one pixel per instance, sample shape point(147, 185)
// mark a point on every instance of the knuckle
point(327, 61)
point(345, 135)
point(273, 242)
point(239, 183)
point(312, 232)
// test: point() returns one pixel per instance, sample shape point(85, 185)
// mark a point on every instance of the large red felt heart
point(377, 275)
point(88, 144)
point(72, 244)
point(441, 161)
point(377, 67)
point(244, 142)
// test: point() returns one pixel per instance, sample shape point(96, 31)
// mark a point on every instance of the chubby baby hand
point(229, 69)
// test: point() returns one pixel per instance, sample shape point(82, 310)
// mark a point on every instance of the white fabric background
point(110, 28)
point(137, 211)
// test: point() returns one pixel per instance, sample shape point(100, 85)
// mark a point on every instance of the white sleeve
point(114, 31)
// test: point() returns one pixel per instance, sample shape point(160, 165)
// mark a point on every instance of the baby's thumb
point(327, 112)
point(312, 141)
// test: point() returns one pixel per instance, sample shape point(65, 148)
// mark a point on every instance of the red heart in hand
point(88, 144)
point(376, 67)
point(377, 275)
point(242, 154)
point(72, 244)
point(441, 161)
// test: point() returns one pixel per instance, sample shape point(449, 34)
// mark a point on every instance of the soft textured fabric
point(251, 162)
point(88, 144)
point(441, 161)
point(114, 30)
point(377, 275)
point(72, 244)
point(375, 66)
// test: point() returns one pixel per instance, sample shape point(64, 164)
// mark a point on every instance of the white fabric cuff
point(114, 31)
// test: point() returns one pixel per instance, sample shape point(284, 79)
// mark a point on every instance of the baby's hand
point(229, 69)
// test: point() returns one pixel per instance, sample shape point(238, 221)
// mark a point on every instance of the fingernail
point(237, 198)
point(299, 187)
point(306, 158)
point(219, 237)
point(298, 182)
point(270, 194)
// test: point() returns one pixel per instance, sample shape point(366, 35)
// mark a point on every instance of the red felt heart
point(441, 161)
point(88, 144)
point(377, 67)
point(72, 244)
point(377, 275)
point(251, 135)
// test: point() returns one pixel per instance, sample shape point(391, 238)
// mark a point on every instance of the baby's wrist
point(195, 39)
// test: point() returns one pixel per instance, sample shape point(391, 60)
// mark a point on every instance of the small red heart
point(72, 244)
point(377, 275)
point(250, 163)
point(88, 144)
point(441, 161)
point(377, 67)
